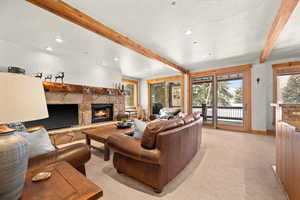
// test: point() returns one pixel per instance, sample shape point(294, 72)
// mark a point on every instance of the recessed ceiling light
point(188, 32)
point(59, 39)
point(116, 59)
point(49, 49)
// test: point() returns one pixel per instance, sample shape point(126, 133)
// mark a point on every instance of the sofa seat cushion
point(152, 129)
point(132, 148)
point(76, 154)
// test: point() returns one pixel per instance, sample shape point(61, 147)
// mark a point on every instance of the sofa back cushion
point(153, 129)
point(188, 119)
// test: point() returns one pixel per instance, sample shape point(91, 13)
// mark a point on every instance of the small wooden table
point(101, 134)
point(66, 183)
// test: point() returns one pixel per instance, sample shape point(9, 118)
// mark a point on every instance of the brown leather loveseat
point(163, 152)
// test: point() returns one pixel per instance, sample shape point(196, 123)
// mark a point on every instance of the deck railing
point(224, 112)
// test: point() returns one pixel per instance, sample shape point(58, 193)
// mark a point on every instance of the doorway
point(223, 97)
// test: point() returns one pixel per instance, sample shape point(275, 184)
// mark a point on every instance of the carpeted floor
point(229, 166)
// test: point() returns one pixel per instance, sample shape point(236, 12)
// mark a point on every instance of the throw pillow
point(182, 115)
point(139, 128)
point(38, 142)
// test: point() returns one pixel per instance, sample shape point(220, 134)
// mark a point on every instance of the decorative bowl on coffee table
point(123, 125)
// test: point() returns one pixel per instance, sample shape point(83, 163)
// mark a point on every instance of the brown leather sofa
point(76, 154)
point(163, 152)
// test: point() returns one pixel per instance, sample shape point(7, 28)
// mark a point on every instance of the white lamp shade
point(22, 98)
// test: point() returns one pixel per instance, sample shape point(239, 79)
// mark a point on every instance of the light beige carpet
point(229, 166)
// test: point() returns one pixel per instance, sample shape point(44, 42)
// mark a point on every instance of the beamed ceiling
point(224, 32)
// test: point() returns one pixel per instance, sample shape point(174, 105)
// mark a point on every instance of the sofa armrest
point(76, 154)
point(132, 148)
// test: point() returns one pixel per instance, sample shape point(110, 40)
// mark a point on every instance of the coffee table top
point(104, 132)
point(65, 183)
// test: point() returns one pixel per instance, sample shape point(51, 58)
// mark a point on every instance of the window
point(288, 89)
point(286, 84)
point(286, 78)
point(165, 93)
point(174, 94)
point(131, 93)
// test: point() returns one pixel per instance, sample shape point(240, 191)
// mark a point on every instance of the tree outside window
point(289, 89)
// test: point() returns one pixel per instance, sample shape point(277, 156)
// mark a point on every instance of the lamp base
point(5, 129)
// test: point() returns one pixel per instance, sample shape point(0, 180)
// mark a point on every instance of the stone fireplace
point(85, 102)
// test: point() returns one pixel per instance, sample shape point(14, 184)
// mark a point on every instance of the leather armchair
point(76, 154)
point(163, 152)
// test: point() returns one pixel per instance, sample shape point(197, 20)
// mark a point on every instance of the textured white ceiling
point(226, 31)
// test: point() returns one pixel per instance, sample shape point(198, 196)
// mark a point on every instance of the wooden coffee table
point(100, 134)
point(66, 183)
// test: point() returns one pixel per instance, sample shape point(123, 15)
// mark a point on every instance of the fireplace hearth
point(102, 112)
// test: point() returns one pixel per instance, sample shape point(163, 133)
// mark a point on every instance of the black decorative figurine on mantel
point(60, 76)
point(39, 75)
point(48, 77)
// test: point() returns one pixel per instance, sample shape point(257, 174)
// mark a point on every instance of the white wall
point(76, 70)
point(144, 95)
point(259, 97)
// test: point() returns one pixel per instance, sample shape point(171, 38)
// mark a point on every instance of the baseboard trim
point(271, 132)
point(259, 132)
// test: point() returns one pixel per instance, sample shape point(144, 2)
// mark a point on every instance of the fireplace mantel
point(79, 89)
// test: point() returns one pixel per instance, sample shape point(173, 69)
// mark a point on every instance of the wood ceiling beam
point(286, 9)
point(71, 14)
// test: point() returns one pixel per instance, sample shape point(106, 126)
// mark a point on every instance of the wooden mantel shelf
point(79, 89)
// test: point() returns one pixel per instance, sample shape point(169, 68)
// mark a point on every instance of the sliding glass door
point(230, 99)
point(223, 99)
point(202, 97)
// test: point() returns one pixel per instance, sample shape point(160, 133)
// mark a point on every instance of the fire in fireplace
point(102, 112)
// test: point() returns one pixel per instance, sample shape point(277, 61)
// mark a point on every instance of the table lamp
point(22, 98)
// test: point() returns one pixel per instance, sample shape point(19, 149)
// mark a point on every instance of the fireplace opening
point(60, 116)
point(102, 112)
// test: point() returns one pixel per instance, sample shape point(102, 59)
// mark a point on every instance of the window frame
point(166, 79)
point(281, 69)
point(135, 84)
point(171, 86)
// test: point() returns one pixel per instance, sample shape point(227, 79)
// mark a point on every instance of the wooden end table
point(100, 134)
point(66, 183)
